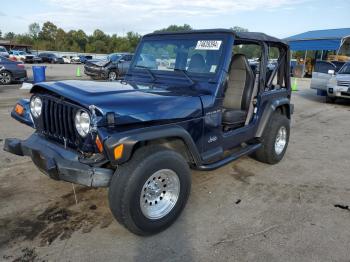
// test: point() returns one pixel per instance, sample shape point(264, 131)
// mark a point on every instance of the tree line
point(51, 37)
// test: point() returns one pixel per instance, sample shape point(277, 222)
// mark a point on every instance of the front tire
point(149, 192)
point(274, 140)
point(112, 75)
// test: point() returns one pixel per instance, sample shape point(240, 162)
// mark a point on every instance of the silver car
point(339, 84)
point(3, 52)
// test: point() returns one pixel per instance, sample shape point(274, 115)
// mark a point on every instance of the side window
point(323, 67)
point(272, 63)
point(252, 52)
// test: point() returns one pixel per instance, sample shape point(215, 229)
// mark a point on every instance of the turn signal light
point(19, 109)
point(118, 151)
point(99, 144)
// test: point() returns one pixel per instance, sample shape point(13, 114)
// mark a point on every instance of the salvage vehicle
point(339, 84)
point(141, 135)
point(113, 67)
point(11, 71)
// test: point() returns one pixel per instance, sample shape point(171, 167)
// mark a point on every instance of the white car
point(339, 84)
point(3, 52)
point(66, 59)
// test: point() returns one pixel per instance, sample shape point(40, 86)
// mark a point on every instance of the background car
point(11, 71)
point(84, 58)
point(322, 73)
point(66, 59)
point(113, 67)
point(51, 58)
point(3, 52)
point(17, 55)
point(339, 84)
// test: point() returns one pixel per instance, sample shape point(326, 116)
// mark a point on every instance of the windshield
point(2, 49)
point(21, 53)
point(113, 57)
point(345, 69)
point(195, 55)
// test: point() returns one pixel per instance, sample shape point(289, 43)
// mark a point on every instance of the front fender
point(131, 138)
point(26, 118)
point(269, 110)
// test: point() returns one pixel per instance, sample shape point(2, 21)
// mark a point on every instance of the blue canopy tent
point(320, 41)
point(329, 39)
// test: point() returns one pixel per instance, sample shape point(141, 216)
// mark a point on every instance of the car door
point(124, 64)
point(320, 75)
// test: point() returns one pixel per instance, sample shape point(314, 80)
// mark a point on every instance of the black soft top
point(238, 35)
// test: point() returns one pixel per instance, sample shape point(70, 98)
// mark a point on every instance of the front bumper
point(338, 91)
point(58, 162)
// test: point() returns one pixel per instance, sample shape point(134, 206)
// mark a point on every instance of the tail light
point(20, 66)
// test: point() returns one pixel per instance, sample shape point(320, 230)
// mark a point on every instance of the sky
point(280, 18)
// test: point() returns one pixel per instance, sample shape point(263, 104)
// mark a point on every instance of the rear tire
point(149, 192)
point(274, 140)
point(5, 78)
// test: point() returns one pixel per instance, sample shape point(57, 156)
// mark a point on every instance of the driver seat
point(238, 94)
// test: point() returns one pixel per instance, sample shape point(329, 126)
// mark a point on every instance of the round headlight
point(36, 106)
point(82, 122)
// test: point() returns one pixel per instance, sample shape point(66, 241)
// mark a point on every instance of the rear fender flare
point(269, 110)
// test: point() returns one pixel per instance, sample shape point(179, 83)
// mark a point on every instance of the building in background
point(331, 45)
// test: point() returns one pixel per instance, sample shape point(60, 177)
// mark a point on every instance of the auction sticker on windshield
point(208, 45)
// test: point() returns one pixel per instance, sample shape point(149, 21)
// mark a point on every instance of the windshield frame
point(171, 74)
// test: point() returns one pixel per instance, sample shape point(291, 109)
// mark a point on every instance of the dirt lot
point(246, 211)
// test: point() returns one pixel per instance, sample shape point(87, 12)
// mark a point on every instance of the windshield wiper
point(184, 72)
point(148, 71)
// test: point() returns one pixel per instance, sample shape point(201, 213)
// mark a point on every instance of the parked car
point(17, 55)
point(323, 72)
point(113, 67)
point(75, 60)
point(84, 58)
point(11, 71)
point(3, 52)
point(339, 84)
point(66, 59)
point(141, 136)
point(32, 58)
point(51, 58)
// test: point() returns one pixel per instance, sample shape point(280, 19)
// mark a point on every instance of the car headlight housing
point(36, 105)
point(82, 122)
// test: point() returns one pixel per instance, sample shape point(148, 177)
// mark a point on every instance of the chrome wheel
point(5, 78)
point(112, 76)
point(159, 194)
point(281, 140)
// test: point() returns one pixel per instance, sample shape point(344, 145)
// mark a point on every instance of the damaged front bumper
point(58, 162)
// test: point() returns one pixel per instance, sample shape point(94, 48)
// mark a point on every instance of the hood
point(343, 77)
point(96, 62)
point(130, 102)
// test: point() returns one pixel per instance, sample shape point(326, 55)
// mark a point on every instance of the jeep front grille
point(57, 120)
point(343, 83)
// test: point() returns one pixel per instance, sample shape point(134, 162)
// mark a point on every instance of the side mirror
point(331, 72)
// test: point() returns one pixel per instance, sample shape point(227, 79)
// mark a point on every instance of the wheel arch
point(281, 105)
point(175, 138)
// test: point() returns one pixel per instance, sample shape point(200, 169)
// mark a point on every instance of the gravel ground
point(245, 211)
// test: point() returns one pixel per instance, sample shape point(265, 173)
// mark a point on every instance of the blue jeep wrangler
point(189, 100)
